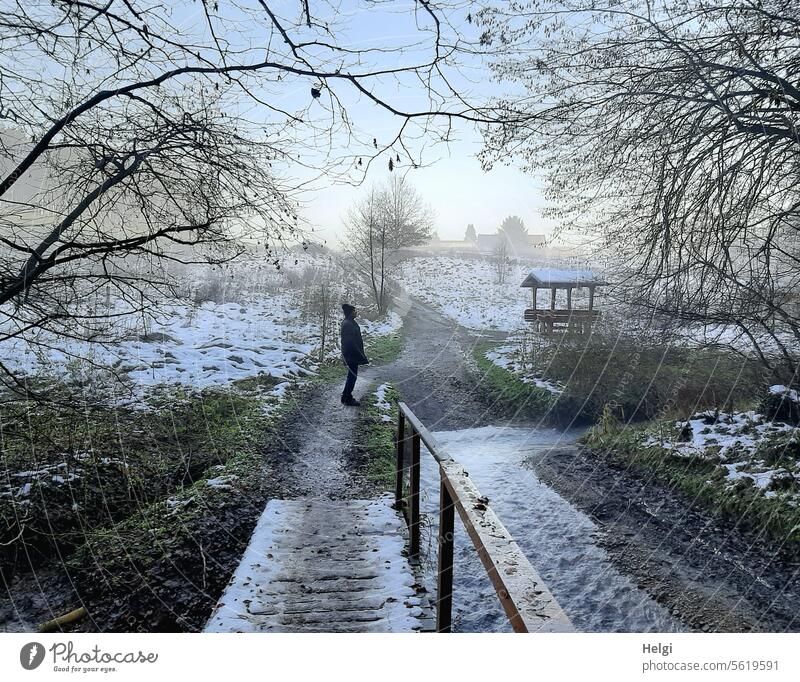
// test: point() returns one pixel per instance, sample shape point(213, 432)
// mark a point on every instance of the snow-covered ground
point(466, 290)
point(203, 345)
point(260, 330)
point(744, 445)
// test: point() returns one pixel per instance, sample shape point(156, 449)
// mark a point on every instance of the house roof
point(548, 278)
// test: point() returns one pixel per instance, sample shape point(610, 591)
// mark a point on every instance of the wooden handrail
point(528, 603)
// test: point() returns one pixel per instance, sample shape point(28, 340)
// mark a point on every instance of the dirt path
point(316, 462)
point(710, 574)
point(433, 372)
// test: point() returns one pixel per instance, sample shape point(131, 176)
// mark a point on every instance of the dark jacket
point(352, 343)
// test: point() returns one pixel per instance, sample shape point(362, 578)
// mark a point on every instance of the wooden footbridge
point(319, 565)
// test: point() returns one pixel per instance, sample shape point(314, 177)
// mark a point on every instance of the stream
point(558, 539)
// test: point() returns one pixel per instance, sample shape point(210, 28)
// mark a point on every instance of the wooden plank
point(305, 570)
point(528, 603)
point(426, 436)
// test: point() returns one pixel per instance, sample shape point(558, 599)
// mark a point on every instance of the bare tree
point(668, 132)
point(386, 220)
point(323, 294)
point(501, 259)
point(138, 133)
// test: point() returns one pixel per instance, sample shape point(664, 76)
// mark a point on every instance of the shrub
point(640, 378)
point(780, 406)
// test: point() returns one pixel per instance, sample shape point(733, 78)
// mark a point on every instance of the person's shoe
point(344, 400)
point(352, 402)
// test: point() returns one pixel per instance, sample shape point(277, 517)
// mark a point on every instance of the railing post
point(401, 463)
point(444, 582)
point(414, 497)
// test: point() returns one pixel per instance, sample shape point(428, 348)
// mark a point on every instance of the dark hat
point(347, 308)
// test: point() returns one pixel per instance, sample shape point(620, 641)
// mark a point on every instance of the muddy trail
point(709, 573)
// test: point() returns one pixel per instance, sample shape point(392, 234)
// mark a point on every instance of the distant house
point(535, 245)
point(487, 243)
point(452, 247)
point(448, 244)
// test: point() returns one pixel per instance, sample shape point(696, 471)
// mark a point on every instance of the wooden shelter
point(569, 319)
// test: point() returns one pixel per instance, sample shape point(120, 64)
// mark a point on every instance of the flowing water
point(558, 539)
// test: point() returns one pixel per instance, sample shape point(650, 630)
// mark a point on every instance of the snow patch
point(222, 482)
point(786, 392)
point(505, 357)
point(382, 403)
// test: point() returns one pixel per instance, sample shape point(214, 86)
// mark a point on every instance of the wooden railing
point(528, 603)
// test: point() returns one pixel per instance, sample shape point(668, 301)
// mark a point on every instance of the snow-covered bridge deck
point(319, 565)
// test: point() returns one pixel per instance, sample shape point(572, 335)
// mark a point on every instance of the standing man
point(352, 352)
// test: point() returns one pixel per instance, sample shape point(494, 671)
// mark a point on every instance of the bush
point(780, 406)
point(639, 378)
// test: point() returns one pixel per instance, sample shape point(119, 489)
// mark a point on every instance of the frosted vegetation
point(746, 447)
point(168, 411)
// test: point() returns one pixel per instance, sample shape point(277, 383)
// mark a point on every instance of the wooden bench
point(548, 320)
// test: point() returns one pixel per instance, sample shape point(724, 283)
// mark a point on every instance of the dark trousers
point(352, 375)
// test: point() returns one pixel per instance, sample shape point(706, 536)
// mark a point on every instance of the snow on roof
point(552, 277)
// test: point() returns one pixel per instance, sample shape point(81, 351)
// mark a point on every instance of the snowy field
point(263, 330)
point(199, 345)
point(466, 290)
